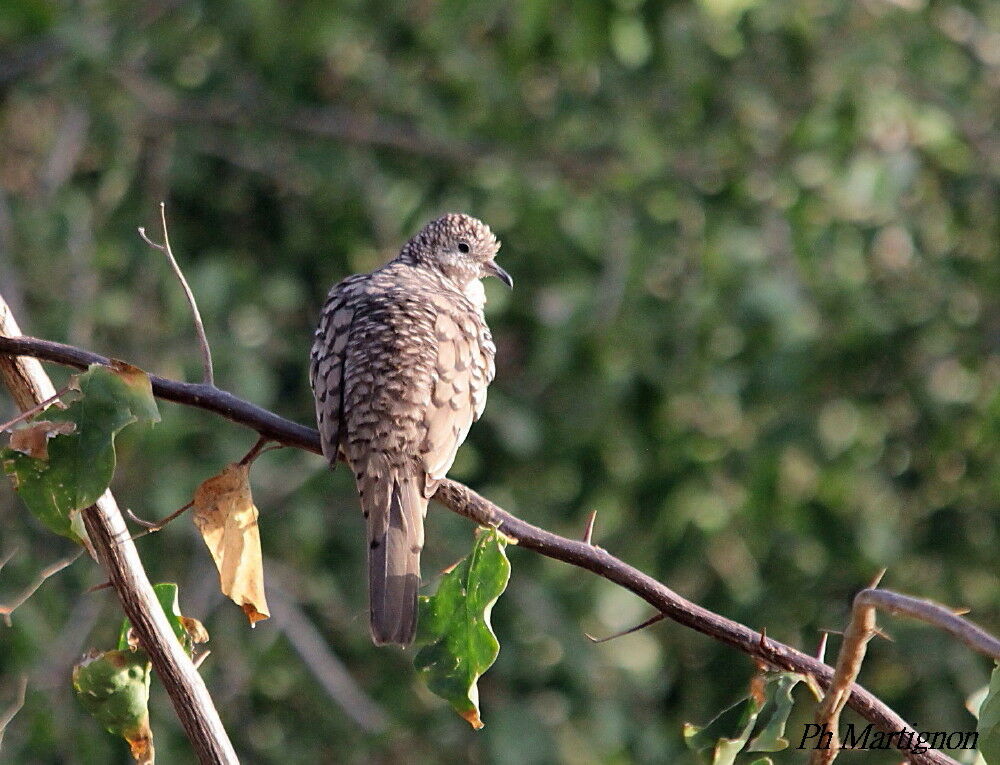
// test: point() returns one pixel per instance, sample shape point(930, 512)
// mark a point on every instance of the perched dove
point(399, 369)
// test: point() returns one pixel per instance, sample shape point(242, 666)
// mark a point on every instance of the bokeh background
point(755, 327)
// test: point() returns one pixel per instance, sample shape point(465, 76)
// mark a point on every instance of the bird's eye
point(463, 247)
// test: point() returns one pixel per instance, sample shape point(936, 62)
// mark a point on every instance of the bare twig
point(208, 377)
point(106, 528)
point(35, 409)
point(462, 500)
point(940, 616)
point(651, 620)
point(852, 654)
point(152, 526)
point(6, 609)
point(863, 628)
point(8, 714)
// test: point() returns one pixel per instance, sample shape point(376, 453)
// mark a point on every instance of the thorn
point(882, 634)
point(589, 532)
point(651, 620)
point(961, 611)
point(821, 650)
point(99, 587)
point(763, 638)
point(877, 579)
point(197, 661)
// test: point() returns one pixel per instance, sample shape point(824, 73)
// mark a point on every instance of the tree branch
point(862, 628)
point(464, 501)
point(29, 384)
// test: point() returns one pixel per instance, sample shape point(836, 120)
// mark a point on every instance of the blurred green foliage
point(755, 327)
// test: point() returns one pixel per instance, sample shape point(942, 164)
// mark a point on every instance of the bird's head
point(460, 246)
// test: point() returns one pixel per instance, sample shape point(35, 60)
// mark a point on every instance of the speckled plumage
point(400, 366)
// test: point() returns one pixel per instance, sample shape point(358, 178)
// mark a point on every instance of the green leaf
point(727, 734)
point(778, 693)
point(989, 721)
point(113, 687)
point(188, 631)
point(80, 464)
point(455, 625)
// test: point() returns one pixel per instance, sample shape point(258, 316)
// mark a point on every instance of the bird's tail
point(394, 507)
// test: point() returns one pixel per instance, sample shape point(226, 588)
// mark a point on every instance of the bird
point(399, 368)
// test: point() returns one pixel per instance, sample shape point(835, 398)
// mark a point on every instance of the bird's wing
point(326, 367)
point(463, 370)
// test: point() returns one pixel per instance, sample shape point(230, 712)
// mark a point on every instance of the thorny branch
point(464, 501)
point(862, 629)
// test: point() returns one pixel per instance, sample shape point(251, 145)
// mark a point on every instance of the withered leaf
point(114, 687)
point(33, 439)
point(227, 519)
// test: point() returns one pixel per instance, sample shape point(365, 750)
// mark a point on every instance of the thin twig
point(15, 707)
point(651, 620)
point(6, 609)
point(36, 409)
point(152, 526)
point(463, 501)
point(935, 614)
point(208, 377)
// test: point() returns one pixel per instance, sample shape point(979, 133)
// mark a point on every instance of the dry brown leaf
point(33, 440)
point(194, 628)
point(227, 519)
point(140, 741)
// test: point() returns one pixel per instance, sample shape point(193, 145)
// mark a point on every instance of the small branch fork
point(463, 501)
point(862, 629)
point(199, 327)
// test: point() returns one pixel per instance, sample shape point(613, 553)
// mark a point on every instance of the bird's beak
point(492, 269)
